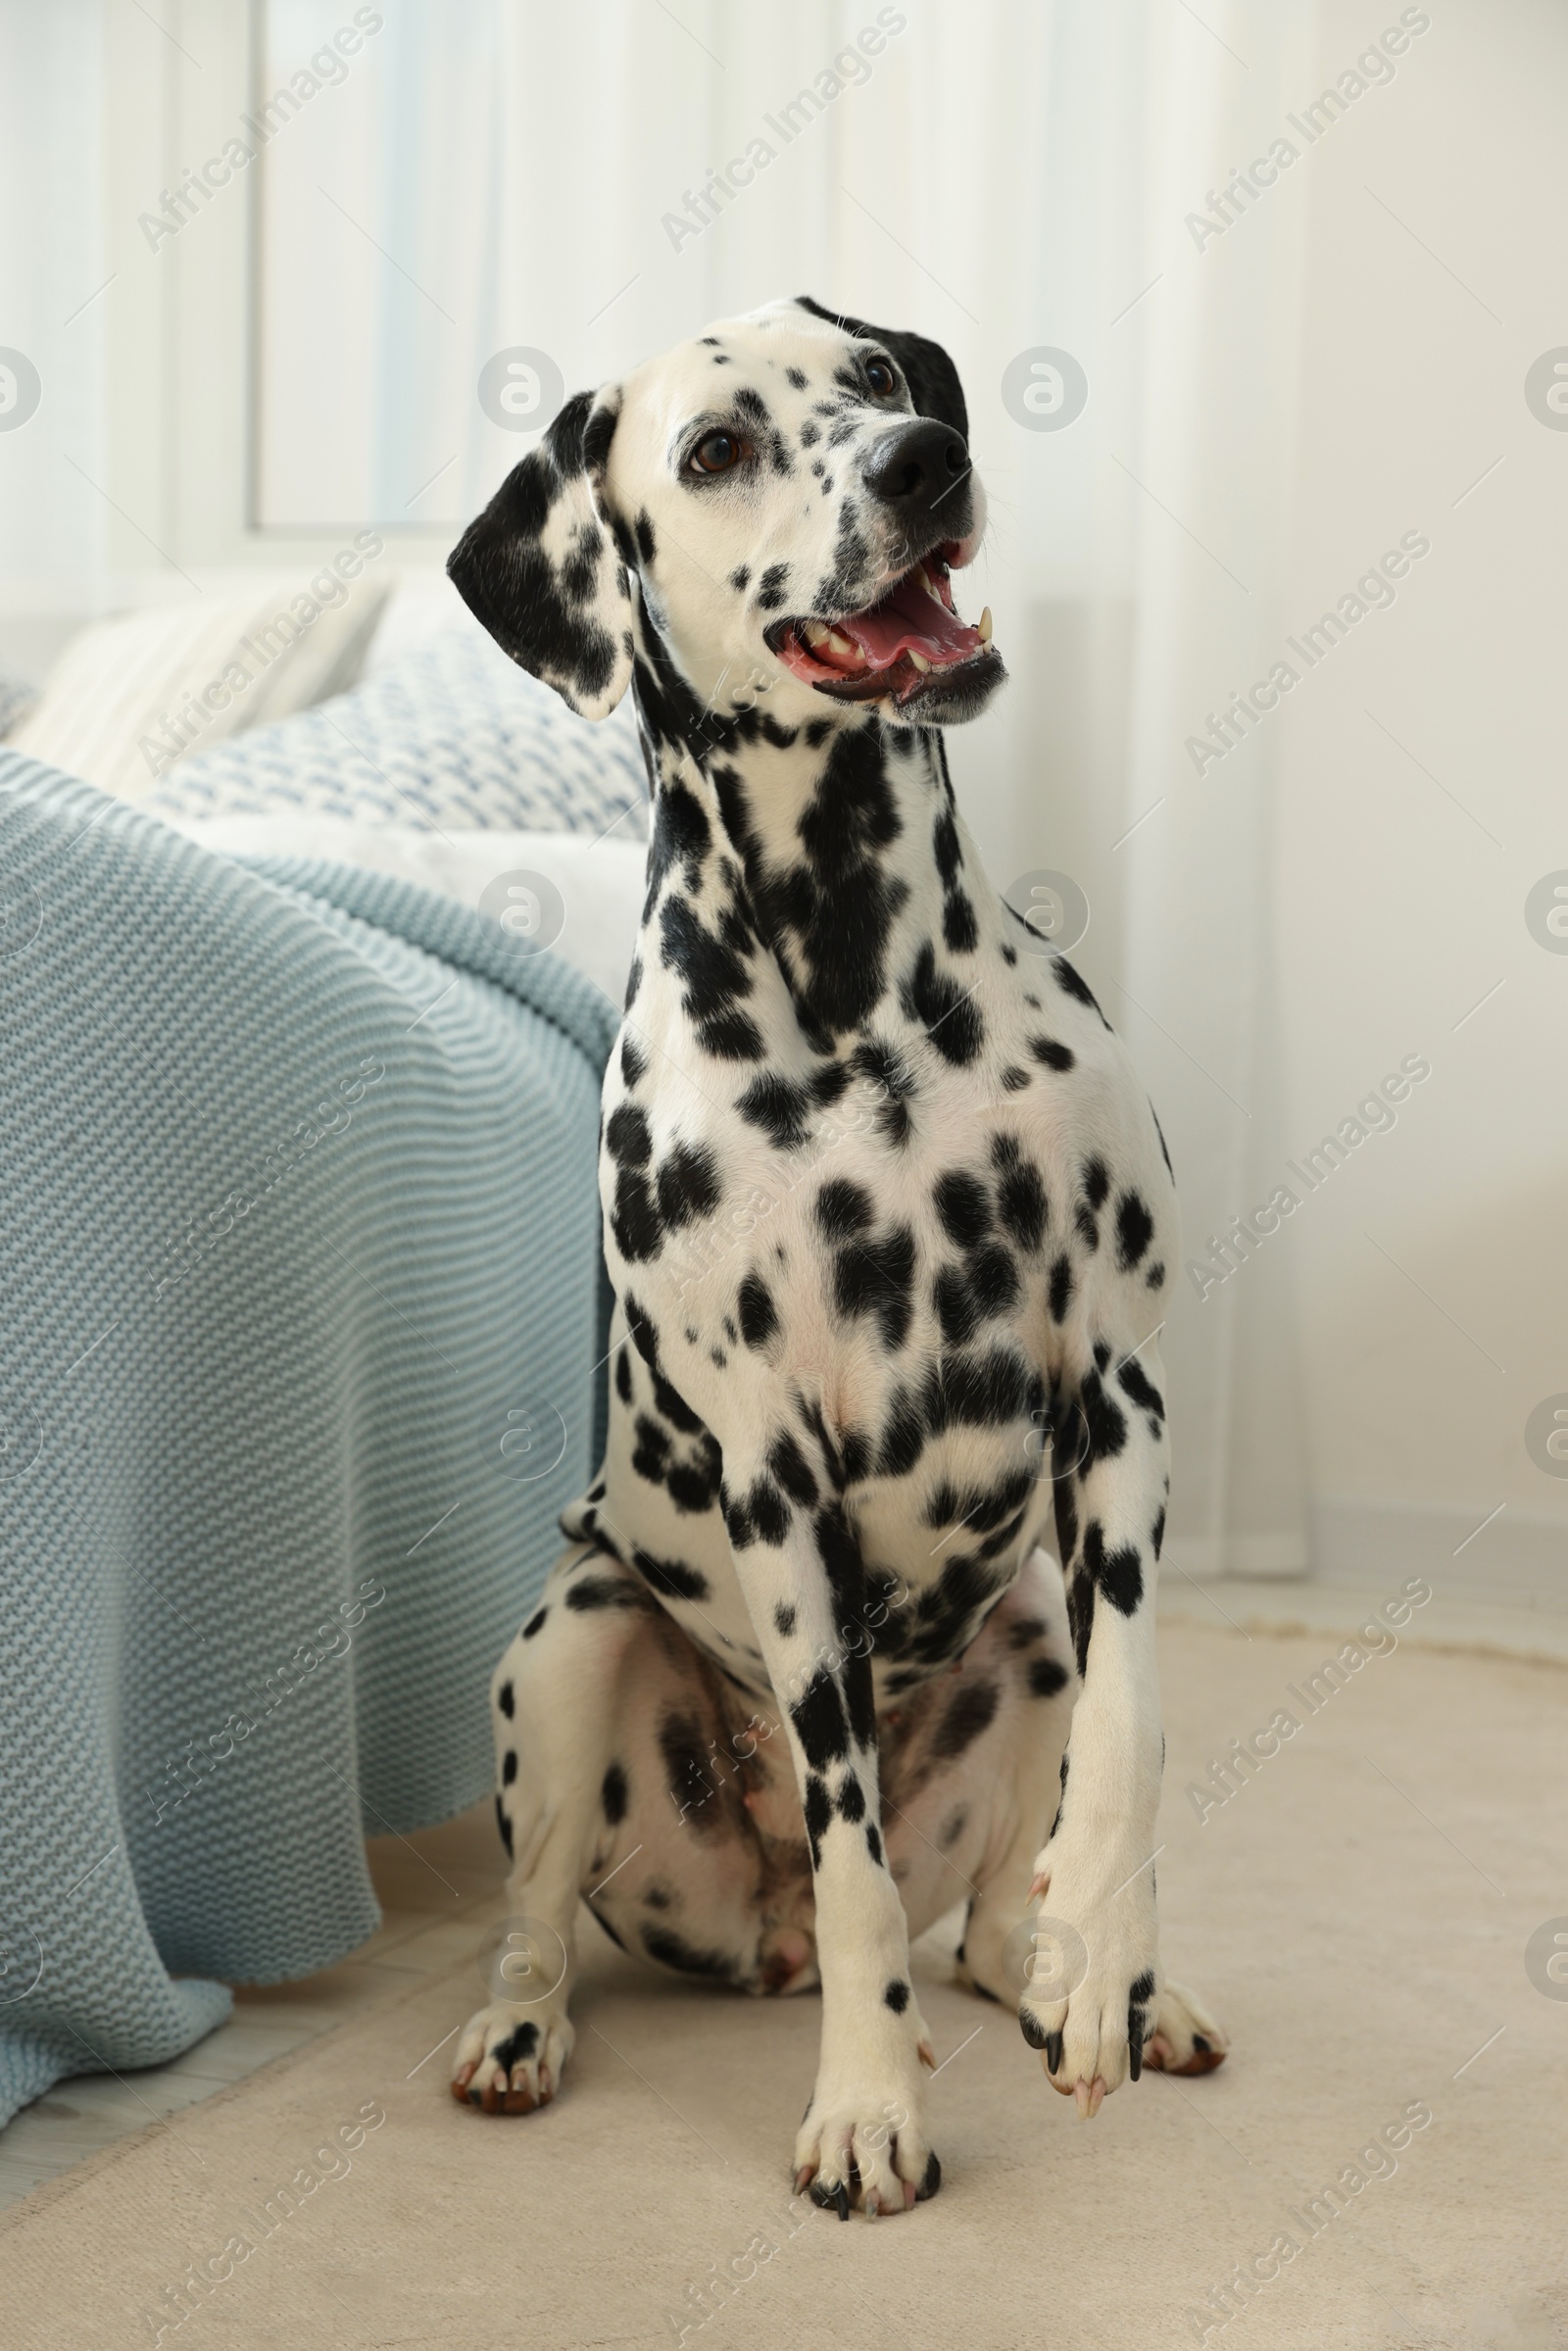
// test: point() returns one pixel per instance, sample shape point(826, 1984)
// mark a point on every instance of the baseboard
point(1519, 1559)
point(1265, 1556)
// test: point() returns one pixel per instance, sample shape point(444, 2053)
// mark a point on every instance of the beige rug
point(1358, 1915)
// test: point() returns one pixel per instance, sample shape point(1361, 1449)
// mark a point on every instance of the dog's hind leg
point(554, 1701)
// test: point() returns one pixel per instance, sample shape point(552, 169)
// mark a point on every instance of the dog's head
point(791, 491)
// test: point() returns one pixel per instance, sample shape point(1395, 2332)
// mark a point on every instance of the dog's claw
point(927, 2055)
point(831, 2199)
point(1053, 2052)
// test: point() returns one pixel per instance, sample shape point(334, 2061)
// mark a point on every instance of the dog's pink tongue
point(908, 615)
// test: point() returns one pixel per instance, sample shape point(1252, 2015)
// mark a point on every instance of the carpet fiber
point(1357, 1915)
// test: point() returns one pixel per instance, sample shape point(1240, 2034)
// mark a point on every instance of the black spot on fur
point(896, 1996)
point(1081, 1616)
point(778, 1107)
point(504, 1826)
point(961, 932)
point(613, 1796)
point(1053, 1054)
point(903, 1438)
point(714, 976)
point(629, 1138)
point(877, 1277)
point(819, 1812)
point(971, 1712)
point(837, 904)
point(1062, 1289)
point(1136, 1384)
point(1021, 1204)
point(518, 2047)
point(792, 1469)
point(945, 1011)
point(842, 1209)
point(1105, 1419)
point(1118, 1574)
point(963, 1206)
point(852, 1800)
point(759, 1317)
point(820, 1722)
point(688, 1185)
point(673, 1576)
point(1135, 1230)
point(784, 1619)
point(1071, 984)
point(599, 1591)
point(1047, 1676)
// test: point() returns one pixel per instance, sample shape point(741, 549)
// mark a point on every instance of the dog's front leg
point(863, 2137)
point(1093, 1989)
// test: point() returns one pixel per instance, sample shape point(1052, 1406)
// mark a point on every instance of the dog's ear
point(929, 372)
point(541, 569)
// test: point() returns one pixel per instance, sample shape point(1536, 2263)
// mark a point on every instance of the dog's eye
point(880, 377)
point(714, 452)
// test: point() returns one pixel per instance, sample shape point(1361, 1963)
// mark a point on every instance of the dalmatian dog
point(889, 1219)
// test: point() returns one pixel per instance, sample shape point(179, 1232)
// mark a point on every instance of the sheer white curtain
point(1010, 178)
point(51, 267)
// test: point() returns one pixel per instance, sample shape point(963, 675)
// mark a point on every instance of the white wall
point(1396, 910)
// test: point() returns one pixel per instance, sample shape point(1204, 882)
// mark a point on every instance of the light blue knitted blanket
point(302, 1307)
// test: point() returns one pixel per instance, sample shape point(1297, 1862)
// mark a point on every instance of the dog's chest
point(868, 1164)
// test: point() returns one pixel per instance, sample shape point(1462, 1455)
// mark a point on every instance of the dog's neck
point(842, 833)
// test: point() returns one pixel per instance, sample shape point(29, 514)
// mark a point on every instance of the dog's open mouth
point(906, 646)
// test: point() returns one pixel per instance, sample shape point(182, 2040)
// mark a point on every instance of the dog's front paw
point(1090, 2031)
point(862, 2145)
point(1186, 2038)
point(510, 2056)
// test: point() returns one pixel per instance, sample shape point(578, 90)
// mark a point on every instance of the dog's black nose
point(914, 467)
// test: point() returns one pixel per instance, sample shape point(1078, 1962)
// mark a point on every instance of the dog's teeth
point(919, 660)
point(815, 633)
point(931, 587)
point(982, 626)
point(839, 645)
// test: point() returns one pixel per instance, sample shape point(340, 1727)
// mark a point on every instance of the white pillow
point(600, 883)
point(130, 697)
